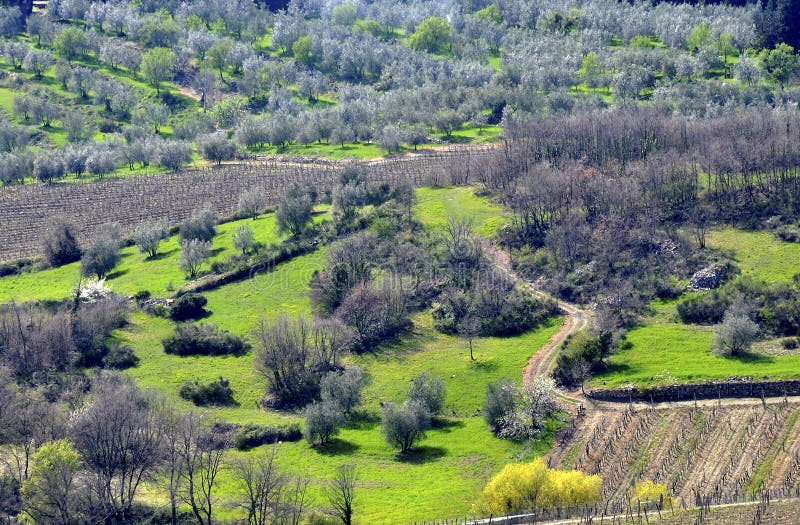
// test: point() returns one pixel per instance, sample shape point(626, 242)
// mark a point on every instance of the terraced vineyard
point(724, 451)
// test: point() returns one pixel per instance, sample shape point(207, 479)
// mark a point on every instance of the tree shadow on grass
point(217, 251)
point(338, 447)
point(615, 368)
point(446, 425)
point(422, 454)
point(114, 275)
point(752, 358)
point(161, 255)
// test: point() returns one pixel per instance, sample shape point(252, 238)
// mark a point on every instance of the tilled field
point(26, 210)
point(724, 451)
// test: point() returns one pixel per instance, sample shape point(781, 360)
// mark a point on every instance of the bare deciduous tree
point(341, 493)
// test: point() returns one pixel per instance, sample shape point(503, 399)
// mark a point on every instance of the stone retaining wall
point(707, 390)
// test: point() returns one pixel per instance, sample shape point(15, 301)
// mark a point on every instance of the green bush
point(190, 339)
point(252, 435)
point(217, 392)
point(120, 357)
point(188, 306)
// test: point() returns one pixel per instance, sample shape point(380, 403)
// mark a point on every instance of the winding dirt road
point(575, 319)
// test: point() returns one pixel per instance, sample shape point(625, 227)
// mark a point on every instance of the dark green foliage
point(120, 357)
point(777, 307)
point(190, 339)
point(216, 392)
point(188, 306)
point(252, 435)
point(499, 312)
point(704, 309)
point(581, 355)
point(501, 399)
point(61, 244)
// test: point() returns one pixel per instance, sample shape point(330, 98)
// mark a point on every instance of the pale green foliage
point(432, 35)
point(48, 494)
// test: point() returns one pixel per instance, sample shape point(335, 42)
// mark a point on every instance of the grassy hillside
point(663, 349)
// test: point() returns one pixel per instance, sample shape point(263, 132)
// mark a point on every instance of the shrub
point(251, 435)
point(323, 421)
point(188, 306)
point(648, 491)
point(791, 344)
point(120, 357)
point(580, 355)
point(216, 392)
point(61, 244)
point(523, 486)
point(190, 339)
point(788, 234)
point(428, 391)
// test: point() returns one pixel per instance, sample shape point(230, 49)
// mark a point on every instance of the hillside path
point(575, 319)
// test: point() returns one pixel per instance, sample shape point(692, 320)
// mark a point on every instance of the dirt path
point(575, 319)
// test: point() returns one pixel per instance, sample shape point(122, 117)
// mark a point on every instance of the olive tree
point(244, 239)
point(323, 421)
point(217, 148)
point(735, 334)
point(194, 253)
point(294, 211)
point(101, 256)
point(149, 236)
point(403, 425)
point(252, 202)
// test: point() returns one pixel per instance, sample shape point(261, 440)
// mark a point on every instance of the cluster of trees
point(384, 90)
point(520, 413)
point(480, 300)
point(89, 467)
point(606, 206)
point(40, 342)
point(404, 425)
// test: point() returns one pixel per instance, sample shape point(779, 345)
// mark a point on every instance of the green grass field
point(664, 349)
point(135, 271)
point(759, 254)
point(435, 206)
point(445, 475)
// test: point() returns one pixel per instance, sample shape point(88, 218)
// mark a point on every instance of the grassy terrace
point(664, 349)
point(423, 485)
